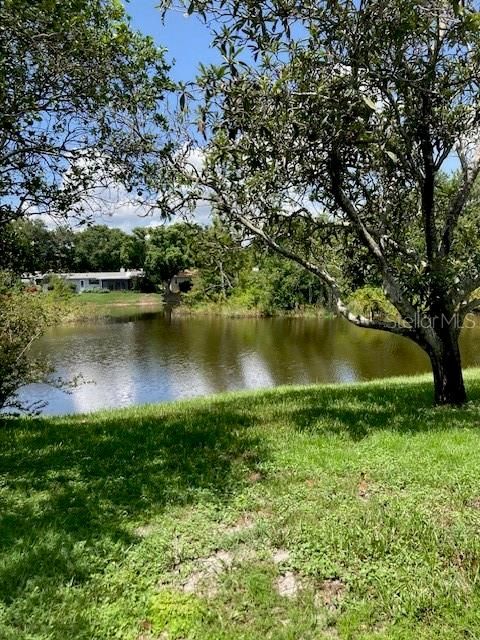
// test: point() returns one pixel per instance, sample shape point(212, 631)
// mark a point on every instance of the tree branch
point(470, 175)
point(380, 325)
point(391, 285)
point(428, 183)
point(327, 278)
point(348, 207)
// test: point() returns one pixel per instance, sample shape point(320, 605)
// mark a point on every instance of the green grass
point(119, 297)
point(179, 521)
point(97, 306)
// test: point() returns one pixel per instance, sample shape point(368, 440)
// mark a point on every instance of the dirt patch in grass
point(288, 585)
point(244, 523)
point(204, 579)
point(280, 556)
point(330, 594)
point(245, 554)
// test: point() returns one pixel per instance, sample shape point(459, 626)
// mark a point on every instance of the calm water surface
point(151, 358)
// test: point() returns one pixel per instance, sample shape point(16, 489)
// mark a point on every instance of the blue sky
point(187, 41)
point(185, 37)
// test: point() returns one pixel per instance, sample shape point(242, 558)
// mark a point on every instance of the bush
point(60, 288)
point(371, 302)
point(94, 290)
point(23, 319)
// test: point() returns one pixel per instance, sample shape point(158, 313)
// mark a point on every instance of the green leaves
point(348, 111)
point(76, 82)
point(23, 319)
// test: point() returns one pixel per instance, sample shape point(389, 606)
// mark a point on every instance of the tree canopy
point(343, 121)
point(80, 105)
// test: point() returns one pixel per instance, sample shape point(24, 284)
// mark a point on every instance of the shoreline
point(385, 384)
point(98, 308)
point(242, 312)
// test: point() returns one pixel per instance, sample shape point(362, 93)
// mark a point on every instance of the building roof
point(104, 275)
point(186, 273)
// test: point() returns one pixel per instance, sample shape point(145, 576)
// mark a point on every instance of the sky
point(186, 39)
point(187, 42)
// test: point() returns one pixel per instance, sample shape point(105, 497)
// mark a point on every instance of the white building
point(107, 280)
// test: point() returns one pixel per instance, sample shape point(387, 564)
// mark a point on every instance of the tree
point(80, 96)
point(80, 111)
point(63, 249)
point(168, 251)
point(340, 135)
point(99, 248)
point(220, 259)
point(26, 246)
point(132, 250)
point(22, 321)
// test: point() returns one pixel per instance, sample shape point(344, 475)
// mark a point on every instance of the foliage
point(23, 319)
point(247, 277)
point(28, 246)
point(373, 303)
point(220, 258)
point(99, 248)
point(325, 132)
point(370, 494)
point(168, 251)
point(243, 275)
point(132, 249)
point(80, 96)
point(60, 288)
point(287, 286)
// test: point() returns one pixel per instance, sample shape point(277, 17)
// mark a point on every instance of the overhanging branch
point(380, 325)
point(356, 319)
point(470, 175)
point(348, 207)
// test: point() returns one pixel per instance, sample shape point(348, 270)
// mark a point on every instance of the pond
point(154, 357)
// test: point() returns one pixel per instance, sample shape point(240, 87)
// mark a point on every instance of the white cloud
point(126, 216)
point(113, 206)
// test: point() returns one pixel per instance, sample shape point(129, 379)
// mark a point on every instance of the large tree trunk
point(447, 368)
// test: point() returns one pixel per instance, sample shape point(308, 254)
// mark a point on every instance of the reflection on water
point(152, 357)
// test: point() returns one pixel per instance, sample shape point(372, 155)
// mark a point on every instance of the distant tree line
point(225, 269)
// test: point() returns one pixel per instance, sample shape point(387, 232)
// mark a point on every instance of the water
point(152, 358)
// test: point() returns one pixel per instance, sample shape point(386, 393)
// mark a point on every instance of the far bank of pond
point(152, 357)
point(98, 306)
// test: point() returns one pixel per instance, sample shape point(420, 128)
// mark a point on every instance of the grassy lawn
point(120, 298)
point(97, 306)
point(301, 513)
